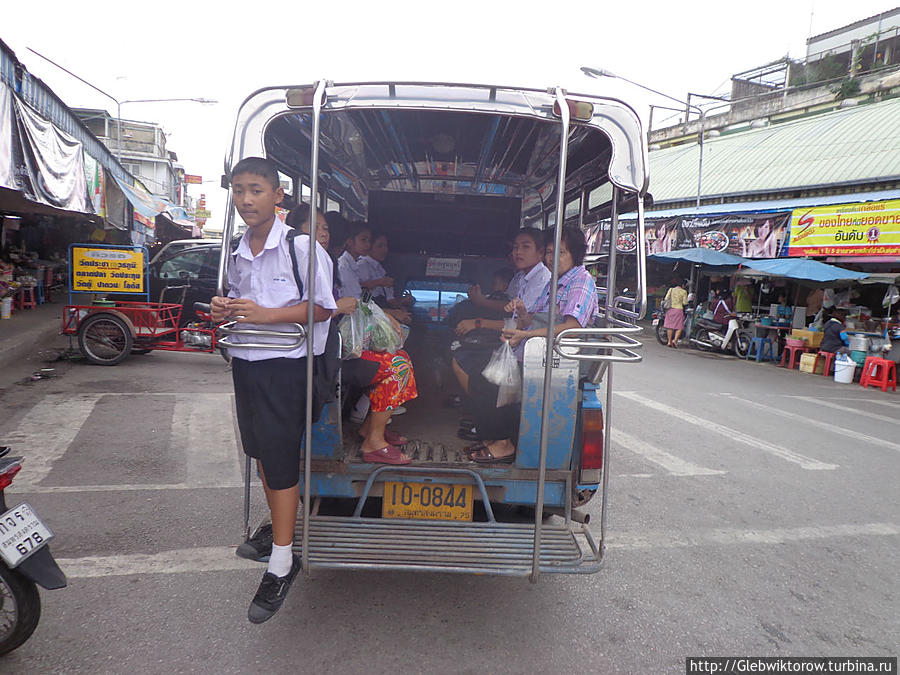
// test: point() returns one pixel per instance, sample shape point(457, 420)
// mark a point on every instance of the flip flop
point(488, 458)
point(474, 448)
point(389, 454)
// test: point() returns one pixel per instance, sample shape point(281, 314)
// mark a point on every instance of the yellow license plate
point(427, 501)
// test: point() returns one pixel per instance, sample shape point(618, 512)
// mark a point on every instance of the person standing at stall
point(675, 300)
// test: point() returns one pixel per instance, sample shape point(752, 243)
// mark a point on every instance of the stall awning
point(702, 256)
point(799, 269)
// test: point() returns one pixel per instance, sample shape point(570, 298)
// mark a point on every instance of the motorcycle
point(709, 335)
point(662, 334)
point(25, 563)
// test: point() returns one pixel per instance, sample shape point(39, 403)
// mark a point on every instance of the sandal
point(389, 454)
point(484, 456)
point(473, 449)
point(393, 438)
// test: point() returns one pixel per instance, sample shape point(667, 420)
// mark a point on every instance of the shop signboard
point(749, 235)
point(191, 179)
point(96, 268)
point(869, 229)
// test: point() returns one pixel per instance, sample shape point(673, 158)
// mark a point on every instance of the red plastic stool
point(879, 372)
point(829, 357)
point(794, 352)
point(26, 298)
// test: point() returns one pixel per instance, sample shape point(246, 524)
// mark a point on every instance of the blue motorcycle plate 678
point(22, 533)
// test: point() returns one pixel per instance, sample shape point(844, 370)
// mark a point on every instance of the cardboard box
point(812, 338)
point(808, 364)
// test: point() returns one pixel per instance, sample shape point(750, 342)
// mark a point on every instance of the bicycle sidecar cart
point(109, 330)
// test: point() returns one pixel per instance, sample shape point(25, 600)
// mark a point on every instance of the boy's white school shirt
point(369, 269)
point(268, 280)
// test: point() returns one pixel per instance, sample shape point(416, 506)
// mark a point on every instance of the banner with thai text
point(870, 228)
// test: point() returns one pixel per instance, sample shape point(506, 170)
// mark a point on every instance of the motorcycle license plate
point(22, 533)
point(656, 322)
point(427, 501)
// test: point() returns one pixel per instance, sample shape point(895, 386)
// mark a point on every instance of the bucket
point(6, 308)
point(859, 356)
point(844, 371)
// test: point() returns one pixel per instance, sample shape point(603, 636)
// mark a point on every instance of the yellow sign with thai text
point(107, 270)
point(870, 228)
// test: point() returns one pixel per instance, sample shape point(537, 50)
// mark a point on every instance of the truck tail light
point(6, 478)
point(592, 439)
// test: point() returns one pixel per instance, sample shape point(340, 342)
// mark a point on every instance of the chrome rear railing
point(297, 337)
point(606, 344)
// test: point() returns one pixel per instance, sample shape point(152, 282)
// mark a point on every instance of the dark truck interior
point(440, 184)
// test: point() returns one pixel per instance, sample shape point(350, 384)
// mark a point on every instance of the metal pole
point(310, 319)
point(607, 411)
point(700, 163)
point(548, 354)
point(118, 131)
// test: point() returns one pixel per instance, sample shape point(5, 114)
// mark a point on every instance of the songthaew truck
point(451, 172)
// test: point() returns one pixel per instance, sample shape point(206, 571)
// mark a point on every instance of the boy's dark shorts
point(270, 397)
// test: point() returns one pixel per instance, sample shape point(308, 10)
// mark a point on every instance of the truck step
point(438, 546)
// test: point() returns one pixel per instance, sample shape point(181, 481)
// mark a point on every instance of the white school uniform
point(368, 268)
point(529, 287)
point(268, 280)
point(349, 272)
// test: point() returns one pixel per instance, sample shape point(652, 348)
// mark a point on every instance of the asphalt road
point(753, 511)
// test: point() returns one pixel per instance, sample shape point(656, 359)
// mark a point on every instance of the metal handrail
point(297, 337)
point(571, 337)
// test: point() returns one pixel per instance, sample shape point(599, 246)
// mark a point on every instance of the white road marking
point(845, 409)
point(223, 559)
point(734, 536)
point(833, 428)
point(732, 434)
point(675, 466)
point(182, 561)
point(46, 431)
point(202, 426)
point(16, 488)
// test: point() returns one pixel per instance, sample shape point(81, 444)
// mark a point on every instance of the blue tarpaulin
point(703, 256)
point(801, 268)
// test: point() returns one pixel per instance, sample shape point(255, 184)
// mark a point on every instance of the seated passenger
point(358, 243)
point(389, 378)
point(577, 306)
point(373, 276)
point(526, 286)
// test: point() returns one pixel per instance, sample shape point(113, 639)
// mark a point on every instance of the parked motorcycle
point(709, 335)
point(25, 563)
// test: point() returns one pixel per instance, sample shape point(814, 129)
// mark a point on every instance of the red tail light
point(6, 478)
point(592, 439)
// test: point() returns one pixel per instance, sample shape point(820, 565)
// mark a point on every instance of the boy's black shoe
point(259, 546)
point(271, 593)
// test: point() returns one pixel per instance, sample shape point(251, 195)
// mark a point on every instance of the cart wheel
point(104, 339)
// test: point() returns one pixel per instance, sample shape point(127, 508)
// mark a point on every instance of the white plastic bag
point(503, 370)
point(368, 328)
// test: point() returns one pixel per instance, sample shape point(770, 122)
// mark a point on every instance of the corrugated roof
point(853, 145)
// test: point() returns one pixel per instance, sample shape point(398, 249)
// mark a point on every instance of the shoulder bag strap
point(290, 240)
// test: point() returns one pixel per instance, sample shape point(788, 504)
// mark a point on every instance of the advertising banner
point(191, 179)
point(107, 269)
point(870, 228)
point(96, 184)
point(748, 235)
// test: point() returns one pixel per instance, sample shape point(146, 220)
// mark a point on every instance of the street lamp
point(119, 103)
point(599, 73)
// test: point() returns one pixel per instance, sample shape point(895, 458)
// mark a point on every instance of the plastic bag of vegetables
point(368, 328)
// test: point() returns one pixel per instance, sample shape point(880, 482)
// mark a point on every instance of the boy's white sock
point(280, 560)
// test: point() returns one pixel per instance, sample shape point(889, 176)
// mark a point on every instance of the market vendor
point(835, 338)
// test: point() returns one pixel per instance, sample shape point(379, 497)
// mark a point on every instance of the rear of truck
point(450, 173)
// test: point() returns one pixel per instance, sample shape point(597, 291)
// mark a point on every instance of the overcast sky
point(225, 50)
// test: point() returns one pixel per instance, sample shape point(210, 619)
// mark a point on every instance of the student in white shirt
point(270, 384)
